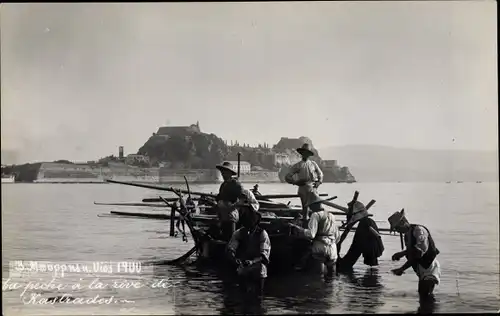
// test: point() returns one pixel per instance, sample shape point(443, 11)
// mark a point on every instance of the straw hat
point(305, 149)
point(396, 218)
point(356, 212)
point(226, 166)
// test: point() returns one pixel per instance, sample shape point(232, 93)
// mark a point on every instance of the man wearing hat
point(250, 249)
point(255, 190)
point(421, 253)
point(305, 174)
point(229, 192)
point(366, 240)
point(324, 232)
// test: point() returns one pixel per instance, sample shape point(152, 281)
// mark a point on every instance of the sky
point(79, 80)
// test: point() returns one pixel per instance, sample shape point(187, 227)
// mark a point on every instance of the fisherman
point(366, 241)
point(250, 249)
point(255, 190)
point(420, 252)
point(324, 232)
point(229, 193)
point(309, 177)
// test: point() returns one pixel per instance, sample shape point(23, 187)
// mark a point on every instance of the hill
point(381, 163)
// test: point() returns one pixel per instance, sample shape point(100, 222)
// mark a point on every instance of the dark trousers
point(426, 289)
point(227, 229)
point(252, 285)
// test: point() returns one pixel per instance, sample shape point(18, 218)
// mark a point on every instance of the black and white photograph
point(249, 158)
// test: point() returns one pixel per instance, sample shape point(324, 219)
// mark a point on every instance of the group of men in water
point(249, 247)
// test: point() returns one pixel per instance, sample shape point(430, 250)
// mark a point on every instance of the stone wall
point(72, 173)
point(260, 177)
point(168, 175)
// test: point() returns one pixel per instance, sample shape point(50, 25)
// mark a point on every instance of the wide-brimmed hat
point(226, 166)
point(357, 211)
point(396, 218)
point(305, 149)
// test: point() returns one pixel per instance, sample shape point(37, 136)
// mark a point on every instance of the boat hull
point(286, 253)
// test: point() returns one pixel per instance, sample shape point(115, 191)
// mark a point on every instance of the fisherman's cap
point(305, 150)
point(396, 218)
point(226, 166)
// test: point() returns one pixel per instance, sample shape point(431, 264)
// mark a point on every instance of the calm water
point(60, 223)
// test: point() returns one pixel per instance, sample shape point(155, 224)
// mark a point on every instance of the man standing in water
point(309, 177)
point(324, 232)
point(229, 193)
point(366, 240)
point(250, 249)
point(421, 253)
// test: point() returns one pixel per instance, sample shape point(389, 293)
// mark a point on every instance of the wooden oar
point(131, 204)
point(154, 187)
point(336, 206)
point(153, 200)
point(179, 260)
point(282, 196)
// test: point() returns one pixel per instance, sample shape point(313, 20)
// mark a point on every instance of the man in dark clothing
point(250, 249)
point(229, 193)
point(366, 240)
point(420, 252)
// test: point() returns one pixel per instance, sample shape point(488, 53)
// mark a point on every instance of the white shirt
point(250, 197)
point(322, 226)
point(307, 171)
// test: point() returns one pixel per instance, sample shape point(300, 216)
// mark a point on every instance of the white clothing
point(307, 171)
point(324, 232)
point(422, 245)
point(250, 198)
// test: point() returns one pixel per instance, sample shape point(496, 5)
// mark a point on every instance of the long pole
point(239, 163)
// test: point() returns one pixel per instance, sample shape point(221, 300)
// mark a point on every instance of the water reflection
point(236, 301)
point(427, 306)
point(366, 293)
point(303, 293)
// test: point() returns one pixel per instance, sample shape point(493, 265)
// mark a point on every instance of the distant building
point(281, 159)
point(120, 152)
point(245, 166)
point(133, 158)
point(179, 130)
point(330, 163)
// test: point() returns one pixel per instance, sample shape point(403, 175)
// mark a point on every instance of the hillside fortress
point(177, 151)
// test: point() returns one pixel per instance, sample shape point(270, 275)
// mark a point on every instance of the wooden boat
point(287, 249)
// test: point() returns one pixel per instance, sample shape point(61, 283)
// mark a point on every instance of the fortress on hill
point(177, 151)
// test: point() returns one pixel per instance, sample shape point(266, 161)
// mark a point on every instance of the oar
point(282, 196)
point(154, 187)
point(131, 204)
point(336, 206)
point(179, 260)
point(153, 200)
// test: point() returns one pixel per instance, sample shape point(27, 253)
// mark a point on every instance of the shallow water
point(59, 223)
